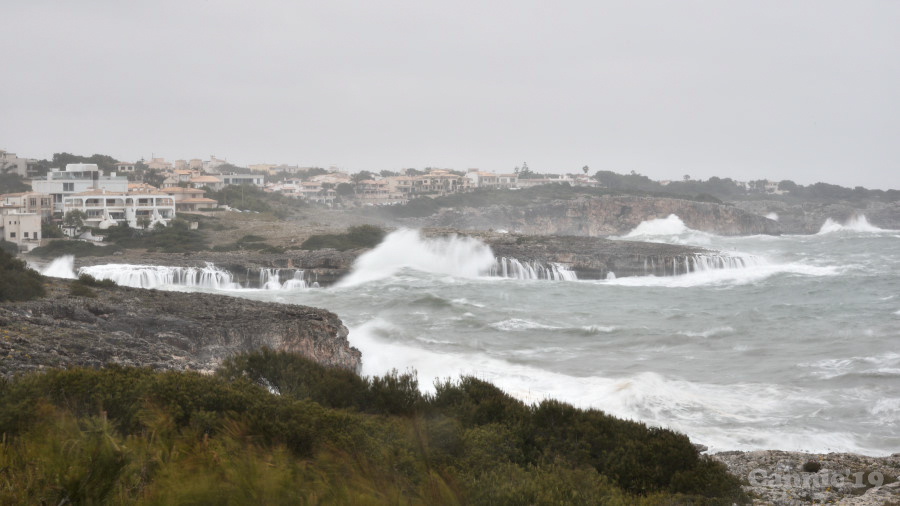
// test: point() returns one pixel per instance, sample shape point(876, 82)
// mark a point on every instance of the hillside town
point(80, 196)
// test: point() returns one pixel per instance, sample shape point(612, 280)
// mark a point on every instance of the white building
point(239, 179)
point(23, 229)
point(77, 178)
point(105, 209)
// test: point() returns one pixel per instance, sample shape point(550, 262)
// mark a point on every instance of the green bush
point(73, 247)
point(17, 281)
point(77, 289)
point(177, 237)
point(363, 236)
point(9, 247)
point(88, 280)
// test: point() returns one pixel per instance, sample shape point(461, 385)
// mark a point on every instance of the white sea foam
point(858, 223)
point(452, 256)
point(772, 216)
point(718, 331)
point(727, 277)
point(62, 267)
point(514, 324)
point(599, 329)
point(729, 416)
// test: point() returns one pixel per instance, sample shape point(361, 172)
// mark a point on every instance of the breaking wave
point(455, 256)
point(62, 267)
point(669, 230)
point(858, 223)
point(731, 416)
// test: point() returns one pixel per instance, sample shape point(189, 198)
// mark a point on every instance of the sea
point(796, 347)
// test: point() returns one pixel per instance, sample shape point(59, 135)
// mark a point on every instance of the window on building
point(12, 235)
point(26, 235)
point(68, 187)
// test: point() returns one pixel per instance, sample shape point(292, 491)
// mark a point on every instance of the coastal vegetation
point(362, 236)
point(254, 199)
point(17, 281)
point(276, 428)
point(426, 206)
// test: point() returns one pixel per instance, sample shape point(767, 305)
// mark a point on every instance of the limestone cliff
point(808, 217)
point(603, 216)
point(164, 330)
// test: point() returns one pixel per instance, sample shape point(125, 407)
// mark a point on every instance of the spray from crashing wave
point(858, 223)
point(669, 230)
point(455, 256)
point(62, 267)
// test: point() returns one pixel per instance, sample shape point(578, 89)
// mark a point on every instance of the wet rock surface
point(794, 478)
point(162, 330)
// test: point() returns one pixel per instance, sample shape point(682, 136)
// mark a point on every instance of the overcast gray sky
point(802, 90)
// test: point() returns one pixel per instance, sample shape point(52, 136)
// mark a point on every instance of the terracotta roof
point(205, 179)
point(178, 189)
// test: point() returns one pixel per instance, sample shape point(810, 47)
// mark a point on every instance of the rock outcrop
point(163, 330)
point(604, 216)
point(595, 257)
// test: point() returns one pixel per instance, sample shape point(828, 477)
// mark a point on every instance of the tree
point(388, 173)
point(526, 173)
point(344, 189)
point(361, 176)
point(586, 169)
point(686, 177)
point(74, 220)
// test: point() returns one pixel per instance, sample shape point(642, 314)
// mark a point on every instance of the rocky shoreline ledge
point(588, 257)
point(794, 478)
point(160, 329)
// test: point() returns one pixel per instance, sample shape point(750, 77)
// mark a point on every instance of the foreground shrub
point(17, 281)
point(252, 433)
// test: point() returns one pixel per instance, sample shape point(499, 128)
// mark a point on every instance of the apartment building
point(138, 208)
point(77, 178)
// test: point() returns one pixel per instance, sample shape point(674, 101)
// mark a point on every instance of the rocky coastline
point(160, 329)
point(588, 257)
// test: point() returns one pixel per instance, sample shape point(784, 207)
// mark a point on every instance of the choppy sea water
point(798, 351)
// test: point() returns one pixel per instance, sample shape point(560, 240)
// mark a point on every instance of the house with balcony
point(104, 209)
point(77, 178)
